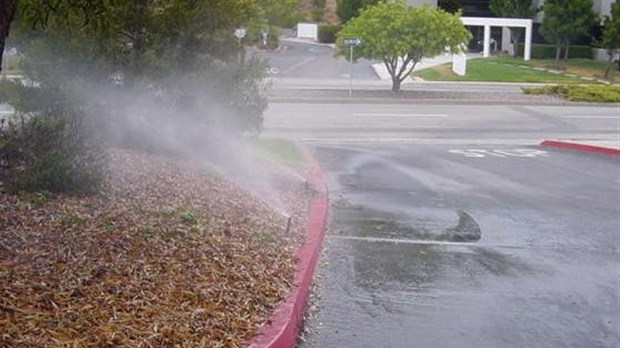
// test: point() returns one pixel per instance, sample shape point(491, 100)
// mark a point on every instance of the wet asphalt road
point(440, 246)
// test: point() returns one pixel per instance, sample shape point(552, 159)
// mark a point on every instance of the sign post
point(264, 32)
point(240, 34)
point(351, 42)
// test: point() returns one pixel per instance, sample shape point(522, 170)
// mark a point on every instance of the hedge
point(547, 51)
point(588, 93)
point(327, 33)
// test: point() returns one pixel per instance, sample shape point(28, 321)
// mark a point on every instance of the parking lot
point(468, 246)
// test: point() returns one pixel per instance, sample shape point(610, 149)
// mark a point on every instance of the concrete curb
point(581, 147)
point(282, 328)
point(434, 101)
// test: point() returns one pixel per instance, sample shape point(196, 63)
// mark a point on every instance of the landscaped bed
point(170, 255)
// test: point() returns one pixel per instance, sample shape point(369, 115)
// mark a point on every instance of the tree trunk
point(395, 84)
point(566, 45)
point(610, 61)
point(7, 13)
point(558, 49)
point(1, 51)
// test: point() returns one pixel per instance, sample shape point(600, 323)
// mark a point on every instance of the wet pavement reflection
point(415, 257)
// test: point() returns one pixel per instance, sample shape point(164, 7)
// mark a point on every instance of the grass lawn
point(508, 69)
point(583, 67)
point(280, 149)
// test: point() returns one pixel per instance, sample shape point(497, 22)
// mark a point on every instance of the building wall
point(432, 3)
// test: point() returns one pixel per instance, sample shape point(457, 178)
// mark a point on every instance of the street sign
point(240, 33)
point(351, 41)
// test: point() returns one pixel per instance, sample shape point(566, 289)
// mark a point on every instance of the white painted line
point(397, 115)
point(402, 241)
point(6, 112)
point(594, 117)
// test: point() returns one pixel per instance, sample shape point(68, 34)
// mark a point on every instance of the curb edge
point(283, 325)
point(581, 147)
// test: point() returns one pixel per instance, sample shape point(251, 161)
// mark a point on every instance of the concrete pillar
point(528, 42)
point(487, 41)
point(506, 45)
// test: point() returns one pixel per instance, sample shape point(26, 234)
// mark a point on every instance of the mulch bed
point(171, 255)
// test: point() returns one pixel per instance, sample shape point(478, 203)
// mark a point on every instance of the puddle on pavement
point(432, 225)
point(400, 252)
point(415, 267)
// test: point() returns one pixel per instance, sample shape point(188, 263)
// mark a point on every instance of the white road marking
point(397, 115)
point(475, 153)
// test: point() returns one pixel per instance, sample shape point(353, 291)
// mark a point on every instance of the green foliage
point(281, 149)
point(254, 36)
point(318, 10)
point(281, 13)
point(588, 93)
point(565, 21)
point(546, 51)
point(400, 36)
point(611, 34)
point(106, 60)
point(513, 8)
point(49, 153)
point(327, 33)
point(347, 9)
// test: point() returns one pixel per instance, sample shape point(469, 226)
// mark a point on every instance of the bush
point(588, 93)
point(347, 9)
point(327, 33)
point(254, 36)
point(48, 150)
point(547, 51)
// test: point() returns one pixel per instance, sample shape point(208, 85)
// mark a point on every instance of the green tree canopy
point(565, 21)
point(611, 34)
point(7, 13)
point(347, 9)
point(400, 36)
point(156, 75)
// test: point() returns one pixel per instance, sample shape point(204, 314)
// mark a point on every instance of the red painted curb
point(282, 328)
point(581, 147)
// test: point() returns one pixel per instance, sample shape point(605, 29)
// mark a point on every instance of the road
point(436, 123)
point(297, 60)
point(449, 227)
point(442, 246)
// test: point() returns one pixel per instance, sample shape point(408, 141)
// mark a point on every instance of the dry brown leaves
point(172, 256)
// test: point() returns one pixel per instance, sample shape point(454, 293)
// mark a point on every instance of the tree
point(564, 21)
point(7, 13)
point(611, 35)
point(514, 9)
point(347, 9)
point(151, 74)
point(400, 36)
point(280, 12)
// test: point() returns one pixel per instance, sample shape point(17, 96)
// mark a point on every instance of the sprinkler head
point(288, 225)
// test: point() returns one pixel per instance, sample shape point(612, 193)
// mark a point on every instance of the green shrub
point(347, 9)
point(588, 93)
point(547, 51)
point(49, 153)
point(327, 33)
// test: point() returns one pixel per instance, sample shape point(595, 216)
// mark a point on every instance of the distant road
point(313, 61)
